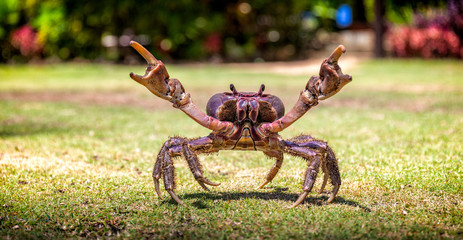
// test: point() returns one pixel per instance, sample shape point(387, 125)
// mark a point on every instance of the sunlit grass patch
point(83, 169)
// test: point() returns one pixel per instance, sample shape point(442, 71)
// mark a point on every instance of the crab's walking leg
point(325, 177)
point(276, 167)
point(311, 173)
point(319, 154)
point(175, 147)
point(310, 177)
point(203, 144)
point(333, 170)
point(157, 170)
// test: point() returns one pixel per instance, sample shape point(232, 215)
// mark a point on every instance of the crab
point(247, 121)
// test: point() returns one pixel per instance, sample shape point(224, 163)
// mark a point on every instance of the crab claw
point(336, 54)
point(331, 79)
point(156, 78)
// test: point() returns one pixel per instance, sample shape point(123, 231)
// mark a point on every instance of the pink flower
point(25, 39)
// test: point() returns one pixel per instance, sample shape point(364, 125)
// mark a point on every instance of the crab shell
point(239, 107)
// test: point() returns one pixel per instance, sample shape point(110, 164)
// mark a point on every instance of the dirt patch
point(89, 98)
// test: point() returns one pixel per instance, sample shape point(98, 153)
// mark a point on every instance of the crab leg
point(157, 170)
point(333, 170)
point(175, 147)
point(193, 161)
point(325, 177)
point(274, 170)
point(158, 81)
point(319, 154)
point(310, 177)
point(169, 178)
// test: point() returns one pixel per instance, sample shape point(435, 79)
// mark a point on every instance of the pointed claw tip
point(342, 48)
point(263, 184)
point(144, 53)
point(300, 199)
point(175, 197)
point(336, 54)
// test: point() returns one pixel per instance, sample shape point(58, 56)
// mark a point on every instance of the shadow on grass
point(276, 194)
point(29, 128)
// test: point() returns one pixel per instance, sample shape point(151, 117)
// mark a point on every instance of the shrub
point(438, 36)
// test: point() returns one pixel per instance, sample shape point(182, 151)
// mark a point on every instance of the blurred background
point(226, 30)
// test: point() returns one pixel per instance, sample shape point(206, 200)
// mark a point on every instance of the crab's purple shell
point(237, 107)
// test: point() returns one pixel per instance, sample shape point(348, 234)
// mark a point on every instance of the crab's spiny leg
point(310, 177)
point(274, 170)
point(333, 193)
point(196, 168)
point(157, 170)
point(333, 169)
point(202, 145)
point(300, 199)
point(325, 176)
point(169, 181)
point(174, 196)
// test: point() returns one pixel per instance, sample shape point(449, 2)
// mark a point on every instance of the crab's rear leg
point(309, 180)
point(319, 154)
point(175, 147)
point(276, 167)
point(331, 164)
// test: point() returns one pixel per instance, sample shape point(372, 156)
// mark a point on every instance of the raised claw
point(156, 78)
point(336, 54)
point(331, 79)
point(144, 53)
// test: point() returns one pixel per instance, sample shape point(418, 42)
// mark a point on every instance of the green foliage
point(185, 29)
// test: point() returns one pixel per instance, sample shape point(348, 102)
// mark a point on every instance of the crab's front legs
point(157, 81)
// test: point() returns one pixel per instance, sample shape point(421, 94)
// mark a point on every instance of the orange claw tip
point(336, 54)
point(342, 48)
point(144, 53)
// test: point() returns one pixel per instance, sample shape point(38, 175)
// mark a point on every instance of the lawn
point(78, 143)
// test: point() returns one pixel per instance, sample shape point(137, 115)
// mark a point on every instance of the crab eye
point(233, 89)
point(261, 90)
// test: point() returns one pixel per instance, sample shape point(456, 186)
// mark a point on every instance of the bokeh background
point(224, 31)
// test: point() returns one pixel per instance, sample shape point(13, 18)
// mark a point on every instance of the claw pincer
point(156, 76)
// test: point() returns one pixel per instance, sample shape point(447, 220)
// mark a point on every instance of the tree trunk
point(379, 28)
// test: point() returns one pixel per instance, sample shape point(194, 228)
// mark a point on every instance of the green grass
point(83, 169)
